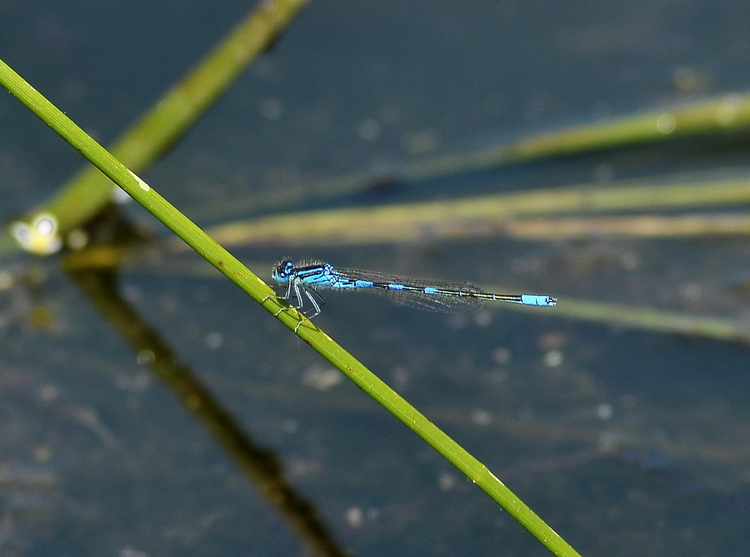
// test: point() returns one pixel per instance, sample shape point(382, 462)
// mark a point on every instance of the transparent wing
point(416, 299)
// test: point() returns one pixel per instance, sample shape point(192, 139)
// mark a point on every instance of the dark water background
point(625, 442)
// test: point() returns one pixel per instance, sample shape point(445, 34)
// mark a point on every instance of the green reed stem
point(235, 271)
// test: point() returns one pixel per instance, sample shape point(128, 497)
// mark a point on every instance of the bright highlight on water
point(304, 280)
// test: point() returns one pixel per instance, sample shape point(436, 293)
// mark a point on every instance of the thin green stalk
point(719, 115)
point(644, 226)
point(228, 265)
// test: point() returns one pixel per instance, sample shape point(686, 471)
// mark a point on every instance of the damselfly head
point(282, 271)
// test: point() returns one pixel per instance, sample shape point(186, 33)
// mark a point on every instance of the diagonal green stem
point(228, 265)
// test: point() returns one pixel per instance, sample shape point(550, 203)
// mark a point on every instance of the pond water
point(158, 411)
